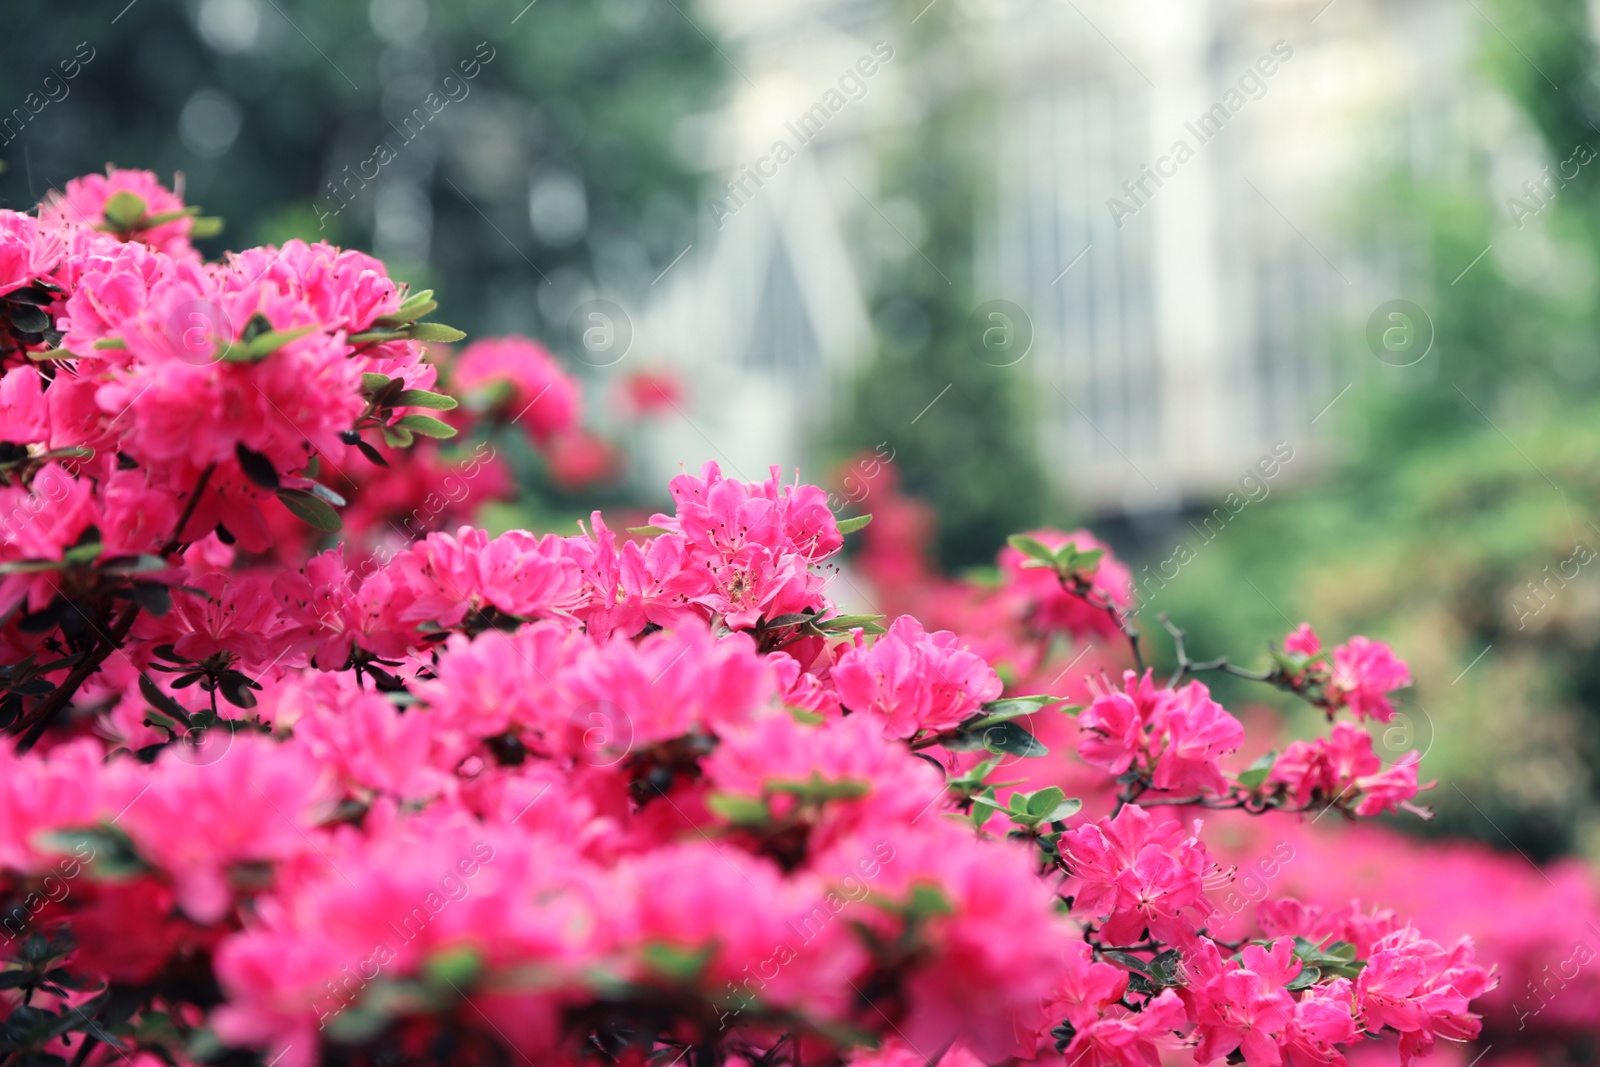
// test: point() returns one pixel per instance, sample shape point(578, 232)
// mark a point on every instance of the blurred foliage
point(577, 119)
point(1460, 522)
point(972, 453)
point(558, 167)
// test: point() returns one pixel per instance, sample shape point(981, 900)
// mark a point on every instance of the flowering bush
point(448, 797)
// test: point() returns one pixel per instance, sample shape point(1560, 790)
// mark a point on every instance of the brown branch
point(39, 720)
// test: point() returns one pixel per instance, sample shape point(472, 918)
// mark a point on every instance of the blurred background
point(1292, 301)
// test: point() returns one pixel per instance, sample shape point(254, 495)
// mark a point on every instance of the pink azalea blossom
point(1365, 673)
point(913, 680)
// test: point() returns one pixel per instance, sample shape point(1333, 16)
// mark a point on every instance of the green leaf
point(737, 809)
point(32, 566)
point(152, 596)
point(262, 345)
point(1068, 558)
point(168, 216)
point(372, 382)
point(984, 805)
point(372, 454)
point(1340, 950)
point(435, 331)
point(427, 426)
point(1045, 801)
point(809, 718)
point(454, 967)
point(112, 851)
point(1252, 776)
point(318, 489)
point(124, 209)
point(141, 564)
point(205, 226)
point(1131, 962)
point(397, 437)
point(1033, 548)
point(927, 900)
point(376, 336)
point(257, 467)
point(161, 701)
point(817, 788)
point(1304, 980)
point(841, 623)
point(111, 343)
point(82, 553)
point(417, 305)
point(647, 531)
point(1164, 966)
point(1010, 738)
point(421, 398)
point(1064, 810)
point(1009, 708)
point(850, 526)
point(311, 509)
point(678, 964)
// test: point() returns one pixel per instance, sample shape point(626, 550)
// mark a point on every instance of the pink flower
point(1176, 737)
point(448, 577)
point(1051, 608)
point(258, 802)
point(1303, 641)
point(1083, 990)
point(1244, 1006)
point(1322, 1023)
point(669, 685)
point(61, 789)
point(1365, 672)
point(27, 250)
point(647, 392)
point(1133, 873)
point(1291, 918)
point(1115, 725)
point(371, 744)
point(1128, 1039)
point(1199, 733)
point(775, 758)
point(1421, 989)
point(989, 951)
point(754, 935)
point(503, 681)
point(24, 412)
point(914, 681)
point(84, 199)
point(1343, 769)
point(720, 516)
point(578, 458)
point(537, 394)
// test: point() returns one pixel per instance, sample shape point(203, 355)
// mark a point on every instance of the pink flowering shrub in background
point(419, 794)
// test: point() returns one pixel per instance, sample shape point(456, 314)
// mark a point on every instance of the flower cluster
point(278, 798)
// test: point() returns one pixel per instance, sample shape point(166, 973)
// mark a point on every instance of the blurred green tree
point(560, 161)
point(957, 419)
point(1460, 521)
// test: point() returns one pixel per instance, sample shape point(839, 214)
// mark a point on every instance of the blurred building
point(1168, 180)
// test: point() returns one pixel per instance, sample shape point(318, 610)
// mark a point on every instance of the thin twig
point(46, 711)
